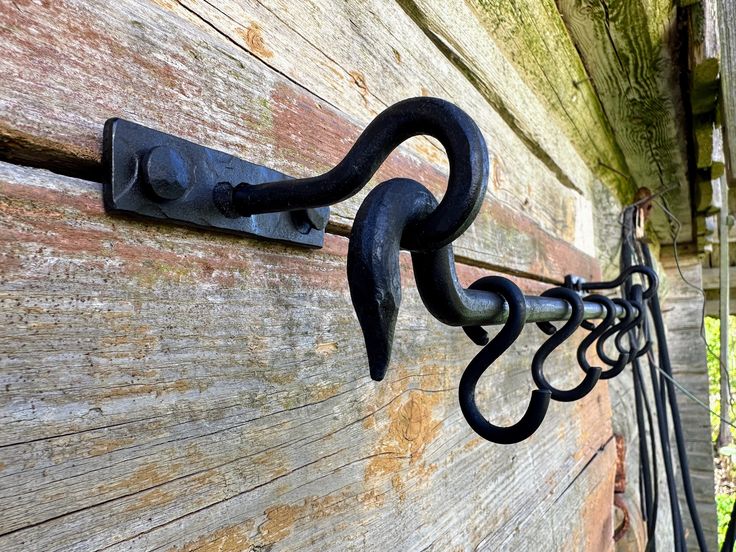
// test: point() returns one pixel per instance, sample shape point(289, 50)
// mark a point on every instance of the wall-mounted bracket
point(159, 176)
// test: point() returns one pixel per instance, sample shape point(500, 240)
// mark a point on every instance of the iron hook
point(637, 300)
point(650, 275)
point(456, 131)
point(623, 359)
point(539, 402)
point(596, 331)
point(591, 376)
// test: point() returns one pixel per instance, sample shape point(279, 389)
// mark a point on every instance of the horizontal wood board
point(186, 73)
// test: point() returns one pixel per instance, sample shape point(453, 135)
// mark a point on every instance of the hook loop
point(596, 330)
point(618, 329)
point(650, 275)
point(456, 131)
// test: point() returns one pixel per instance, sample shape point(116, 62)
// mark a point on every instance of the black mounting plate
point(126, 146)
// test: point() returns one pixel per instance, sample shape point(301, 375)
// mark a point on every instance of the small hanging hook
point(618, 329)
point(537, 408)
point(596, 331)
point(559, 336)
point(638, 301)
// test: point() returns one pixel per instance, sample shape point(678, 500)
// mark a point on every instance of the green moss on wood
point(533, 36)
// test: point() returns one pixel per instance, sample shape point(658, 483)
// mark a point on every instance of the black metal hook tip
point(477, 334)
point(374, 274)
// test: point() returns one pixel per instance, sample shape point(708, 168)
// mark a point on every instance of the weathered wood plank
point(533, 36)
point(683, 311)
point(148, 64)
point(179, 390)
point(558, 529)
point(277, 30)
point(627, 49)
point(726, 13)
point(711, 277)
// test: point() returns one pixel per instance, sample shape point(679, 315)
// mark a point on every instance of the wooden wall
point(171, 389)
point(684, 312)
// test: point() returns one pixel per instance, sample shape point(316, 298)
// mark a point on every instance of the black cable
point(627, 252)
point(664, 364)
point(652, 518)
point(645, 469)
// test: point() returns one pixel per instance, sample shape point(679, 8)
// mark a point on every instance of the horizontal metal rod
point(549, 309)
point(454, 305)
point(538, 309)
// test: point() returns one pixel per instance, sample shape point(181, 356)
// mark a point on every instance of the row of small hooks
point(631, 324)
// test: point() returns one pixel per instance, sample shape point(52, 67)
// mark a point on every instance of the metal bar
point(452, 304)
point(543, 309)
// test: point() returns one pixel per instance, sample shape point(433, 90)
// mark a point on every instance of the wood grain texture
point(627, 49)
point(726, 13)
point(182, 391)
point(363, 76)
point(177, 71)
point(533, 36)
point(711, 278)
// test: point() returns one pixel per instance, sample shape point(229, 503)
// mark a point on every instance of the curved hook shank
point(539, 402)
point(591, 377)
point(597, 330)
point(448, 301)
point(456, 131)
point(637, 298)
point(626, 274)
point(619, 364)
point(374, 275)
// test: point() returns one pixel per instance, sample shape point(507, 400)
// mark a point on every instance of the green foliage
point(727, 461)
point(712, 337)
point(724, 505)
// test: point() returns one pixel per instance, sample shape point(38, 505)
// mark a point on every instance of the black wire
point(669, 390)
point(627, 252)
point(647, 489)
point(652, 520)
point(646, 473)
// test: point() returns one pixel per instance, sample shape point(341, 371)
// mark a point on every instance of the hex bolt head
point(166, 173)
point(307, 219)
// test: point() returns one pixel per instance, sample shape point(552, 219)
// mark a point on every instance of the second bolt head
point(166, 173)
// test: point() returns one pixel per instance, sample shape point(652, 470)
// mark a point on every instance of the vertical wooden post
point(724, 433)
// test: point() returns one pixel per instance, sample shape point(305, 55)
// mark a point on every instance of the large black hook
point(455, 130)
point(537, 408)
point(556, 339)
point(596, 331)
point(374, 274)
